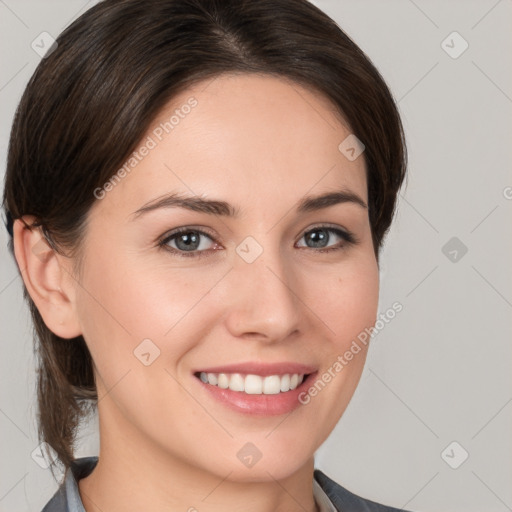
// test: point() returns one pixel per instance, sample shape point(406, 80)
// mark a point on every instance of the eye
point(320, 236)
point(190, 242)
point(187, 242)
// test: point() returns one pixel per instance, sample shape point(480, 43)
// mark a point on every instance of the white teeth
point(236, 383)
point(285, 382)
point(253, 384)
point(272, 385)
point(223, 381)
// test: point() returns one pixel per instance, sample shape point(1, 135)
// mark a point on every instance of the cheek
point(346, 299)
point(126, 300)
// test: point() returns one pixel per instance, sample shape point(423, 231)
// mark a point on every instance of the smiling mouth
point(251, 384)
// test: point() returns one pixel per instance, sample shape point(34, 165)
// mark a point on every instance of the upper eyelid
point(184, 229)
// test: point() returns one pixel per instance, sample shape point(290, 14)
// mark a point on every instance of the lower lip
point(263, 405)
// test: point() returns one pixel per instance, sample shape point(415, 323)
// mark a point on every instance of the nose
point(264, 299)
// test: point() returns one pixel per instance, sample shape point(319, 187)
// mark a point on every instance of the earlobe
point(46, 278)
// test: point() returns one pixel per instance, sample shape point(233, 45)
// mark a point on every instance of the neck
point(133, 475)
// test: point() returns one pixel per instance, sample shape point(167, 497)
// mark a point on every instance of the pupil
point(319, 238)
point(190, 240)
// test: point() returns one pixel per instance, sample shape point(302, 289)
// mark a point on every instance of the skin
point(261, 144)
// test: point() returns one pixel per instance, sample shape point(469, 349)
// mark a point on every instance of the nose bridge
point(264, 301)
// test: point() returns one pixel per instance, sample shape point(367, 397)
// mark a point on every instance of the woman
point(198, 191)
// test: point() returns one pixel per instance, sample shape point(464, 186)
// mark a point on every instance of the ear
point(47, 277)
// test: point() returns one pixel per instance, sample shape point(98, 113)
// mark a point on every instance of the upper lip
point(263, 369)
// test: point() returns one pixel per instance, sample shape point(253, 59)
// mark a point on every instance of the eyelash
point(348, 237)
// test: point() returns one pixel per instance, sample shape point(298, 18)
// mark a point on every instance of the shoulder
point(344, 500)
point(67, 497)
point(59, 501)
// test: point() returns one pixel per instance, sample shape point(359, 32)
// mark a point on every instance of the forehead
point(258, 139)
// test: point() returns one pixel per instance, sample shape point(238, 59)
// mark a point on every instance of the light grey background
point(440, 371)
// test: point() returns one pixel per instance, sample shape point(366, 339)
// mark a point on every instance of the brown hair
point(91, 100)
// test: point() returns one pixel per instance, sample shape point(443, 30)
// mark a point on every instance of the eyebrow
point(222, 208)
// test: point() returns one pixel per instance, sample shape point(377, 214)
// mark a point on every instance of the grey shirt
point(329, 496)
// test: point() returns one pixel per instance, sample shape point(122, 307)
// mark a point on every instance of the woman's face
point(248, 282)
